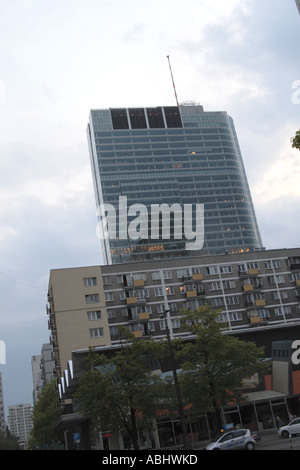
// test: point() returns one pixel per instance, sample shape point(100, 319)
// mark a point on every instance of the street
point(274, 442)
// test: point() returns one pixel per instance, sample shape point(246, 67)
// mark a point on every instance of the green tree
point(215, 364)
point(45, 415)
point(121, 391)
point(8, 441)
point(296, 140)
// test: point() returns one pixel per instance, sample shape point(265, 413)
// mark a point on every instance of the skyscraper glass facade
point(171, 155)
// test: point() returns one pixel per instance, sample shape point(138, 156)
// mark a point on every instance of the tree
point(121, 391)
point(215, 364)
point(8, 441)
point(296, 140)
point(45, 416)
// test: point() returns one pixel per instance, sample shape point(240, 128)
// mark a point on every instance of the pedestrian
point(278, 422)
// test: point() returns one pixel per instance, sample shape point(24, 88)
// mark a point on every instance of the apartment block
point(36, 377)
point(77, 312)
point(20, 421)
point(253, 290)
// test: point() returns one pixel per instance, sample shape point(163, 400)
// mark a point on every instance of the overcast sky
point(59, 59)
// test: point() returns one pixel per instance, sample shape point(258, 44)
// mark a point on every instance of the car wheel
point(285, 434)
point(250, 446)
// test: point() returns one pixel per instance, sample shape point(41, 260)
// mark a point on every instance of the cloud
point(60, 59)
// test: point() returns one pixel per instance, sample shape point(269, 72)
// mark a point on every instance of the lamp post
point(186, 440)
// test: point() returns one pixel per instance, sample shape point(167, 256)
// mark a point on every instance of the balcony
point(255, 319)
point(197, 277)
point(248, 287)
point(191, 293)
point(252, 271)
point(260, 303)
point(143, 316)
point(137, 334)
point(138, 283)
point(131, 300)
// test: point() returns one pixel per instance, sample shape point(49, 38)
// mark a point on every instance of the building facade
point(20, 422)
point(77, 312)
point(36, 377)
point(183, 157)
point(88, 305)
point(2, 415)
point(257, 294)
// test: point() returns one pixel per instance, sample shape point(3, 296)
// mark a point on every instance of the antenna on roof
point(173, 81)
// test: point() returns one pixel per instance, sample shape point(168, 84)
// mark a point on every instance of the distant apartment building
point(20, 422)
point(47, 362)
point(88, 305)
point(2, 415)
point(36, 377)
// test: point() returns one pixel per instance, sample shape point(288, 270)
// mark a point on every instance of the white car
point(233, 440)
point(290, 429)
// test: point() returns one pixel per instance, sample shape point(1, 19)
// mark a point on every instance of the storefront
point(260, 409)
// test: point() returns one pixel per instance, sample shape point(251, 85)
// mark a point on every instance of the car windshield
point(219, 435)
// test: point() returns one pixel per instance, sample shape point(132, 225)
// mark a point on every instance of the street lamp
point(186, 440)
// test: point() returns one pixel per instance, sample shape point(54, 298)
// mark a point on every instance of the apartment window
point(279, 295)
point(241, 268)
point(96, 332)
point(232, 300)
point(156, 276)
point(228, 284)
point(286, 310)
point(89, 281)
point(260, 312)
point(124, 312)
point(109, 296)
point(106, 280)
point(161, 308)
point(252, 265)
point(92, 298)
point(111, 314)
point(143, 308)
point(214, 285)
point(212, 270)
point(294, 277)
point(170, 290)
point(195, 270)
point(218, 302)
point(122, 295)
point(225, 269)
point(235, 316)
point(114, 330)
point(142, 294)
point(158, 291)
point(94, 315)
point(279, 279)
point(167, 274)
point(173, 306)
point(275, 263)
point(183, 273)
point(174, 322)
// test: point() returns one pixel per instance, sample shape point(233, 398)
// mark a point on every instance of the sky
point(61, 58)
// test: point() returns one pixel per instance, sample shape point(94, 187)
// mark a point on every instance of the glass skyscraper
point(182, 157)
